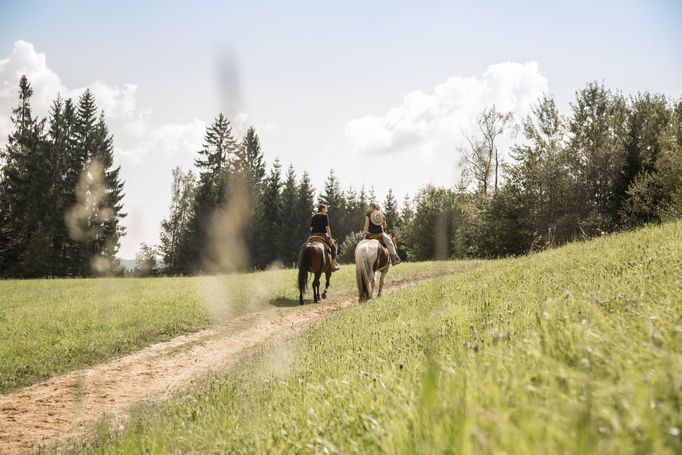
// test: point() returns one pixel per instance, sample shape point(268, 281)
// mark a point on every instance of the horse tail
point(362, 273)
point(303, 267)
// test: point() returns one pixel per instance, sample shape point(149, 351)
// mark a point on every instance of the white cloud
point(425, 122)
point(139, 125)
point(168, 140)
point(240, 123)
point(25, 60)
point(5, 126)
point(118, 102)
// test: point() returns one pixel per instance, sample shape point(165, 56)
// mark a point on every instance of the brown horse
point(313, 258)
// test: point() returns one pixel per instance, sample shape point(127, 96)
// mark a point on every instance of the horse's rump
point(319, 256)
point(370, 256)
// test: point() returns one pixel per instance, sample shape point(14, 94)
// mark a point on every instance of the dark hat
point(321, 206)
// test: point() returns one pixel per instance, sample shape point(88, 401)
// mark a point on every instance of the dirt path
point(65, 406)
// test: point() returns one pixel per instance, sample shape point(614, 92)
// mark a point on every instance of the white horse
point(370, 257)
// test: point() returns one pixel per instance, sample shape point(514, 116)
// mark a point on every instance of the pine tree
point(305, 201)
point(391, 211)
point(371, 195)
point(289, 233)
point(110, 209)
point(249, 160)
point(403, 232)
point(333, 197)
point(407, 212)
point(348, 220)
point(361, 208)
point(19, 200)
point(215, 160)
point(84, 130)
point(193, 240)
point(44, 251)
point(217, 151)
point(249, 168)
point(74, 163)
point(35, 262)
point(94, 213)
point(82, 211)
point(269, 218)
point(58, 149)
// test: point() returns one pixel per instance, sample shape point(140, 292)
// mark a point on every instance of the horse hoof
point(324, 296)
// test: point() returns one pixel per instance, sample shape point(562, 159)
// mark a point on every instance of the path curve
point(65, 406)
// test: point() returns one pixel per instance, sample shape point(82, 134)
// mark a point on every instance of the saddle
point(379, 237)
point(319, 238)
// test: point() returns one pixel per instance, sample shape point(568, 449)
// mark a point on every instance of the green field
point(49, 327)
point(575, 350)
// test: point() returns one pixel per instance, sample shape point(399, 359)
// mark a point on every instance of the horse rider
point(319, 225)
point(375, 223)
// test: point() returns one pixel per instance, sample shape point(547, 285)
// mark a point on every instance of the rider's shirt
point(319, 223)
point(374, 228)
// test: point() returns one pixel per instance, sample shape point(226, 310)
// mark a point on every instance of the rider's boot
point(335, 265)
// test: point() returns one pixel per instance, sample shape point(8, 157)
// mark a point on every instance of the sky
point(379, 91)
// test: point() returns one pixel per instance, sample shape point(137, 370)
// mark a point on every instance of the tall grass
point(575, 350)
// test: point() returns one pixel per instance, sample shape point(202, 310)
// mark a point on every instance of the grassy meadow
point(49, 327)
point(574, 350)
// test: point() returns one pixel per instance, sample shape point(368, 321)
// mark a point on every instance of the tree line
point(612, 163)
point(272, 223)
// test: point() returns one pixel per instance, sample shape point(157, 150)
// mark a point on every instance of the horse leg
point(381, 281)
point(327, 276)
point(319, 283)
point(316, 287)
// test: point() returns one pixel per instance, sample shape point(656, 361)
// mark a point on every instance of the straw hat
point(376, 217)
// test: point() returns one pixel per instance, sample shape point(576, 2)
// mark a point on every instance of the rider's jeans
point(389, 244)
